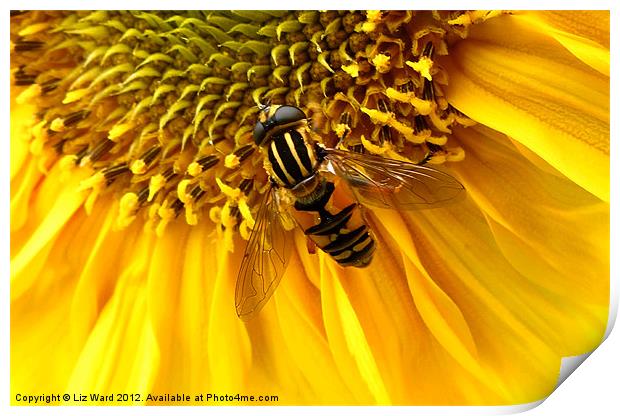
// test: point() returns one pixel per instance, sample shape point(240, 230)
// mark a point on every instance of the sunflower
point(135, 183)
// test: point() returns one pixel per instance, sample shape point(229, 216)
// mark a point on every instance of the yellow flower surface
point(135, 183)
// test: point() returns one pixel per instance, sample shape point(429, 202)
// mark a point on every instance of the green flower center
point(162, 105)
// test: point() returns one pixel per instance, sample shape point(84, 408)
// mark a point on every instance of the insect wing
point(265, 259)
point(389, 183)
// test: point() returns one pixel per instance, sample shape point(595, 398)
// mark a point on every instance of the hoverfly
point(304, 172)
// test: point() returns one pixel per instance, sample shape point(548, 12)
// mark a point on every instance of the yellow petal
point(52, 325)
point(21, 120)
point(196, 294)
point(392, 328)
point(55, 215)
point(440, 313)
point(22, 187)
point(551, 231)
point(347, 339)
point(38, 345)
point(294, 342)
point(515, 270)
point(585, 33)
point(305, 338)
point(229, 356)
point(104, 261)
point(164, 258)
point(508, 352)
point(121, 354)
point(528, 86)
point(410, 360)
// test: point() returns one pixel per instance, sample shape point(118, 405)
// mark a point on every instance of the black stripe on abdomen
point(333, 224)
point(353, 248)
point(348, 247)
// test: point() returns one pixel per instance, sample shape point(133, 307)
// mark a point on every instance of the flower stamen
point(153, 101)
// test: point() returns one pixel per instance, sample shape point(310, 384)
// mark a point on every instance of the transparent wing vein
point(389, 183)
point(265, 259)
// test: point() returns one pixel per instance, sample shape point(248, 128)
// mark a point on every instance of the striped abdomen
point(292, 157)
point(341, 232)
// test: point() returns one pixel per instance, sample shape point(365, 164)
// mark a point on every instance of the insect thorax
point(291, 157)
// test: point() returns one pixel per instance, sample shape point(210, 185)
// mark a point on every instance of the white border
point(592, 389)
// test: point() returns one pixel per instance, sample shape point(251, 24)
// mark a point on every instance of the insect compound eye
point(282, 116)
point(263, 125)
point(259, 133)
point(288, 114)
